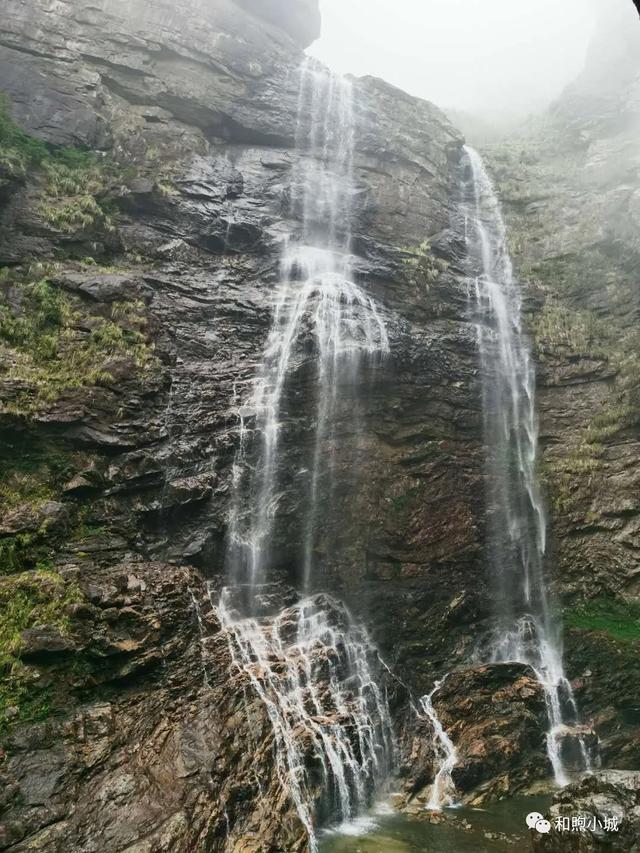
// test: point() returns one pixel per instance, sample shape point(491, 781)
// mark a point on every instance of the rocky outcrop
point(160, 258)
point(600, 812)
point(496, 719)
point(145, 742)
point(112, 69)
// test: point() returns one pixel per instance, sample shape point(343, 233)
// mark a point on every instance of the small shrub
point(74, 182)
point(422, 266)
point(18, 150)
point(558, 328)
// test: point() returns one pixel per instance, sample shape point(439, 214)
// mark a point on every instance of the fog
point(482, 56)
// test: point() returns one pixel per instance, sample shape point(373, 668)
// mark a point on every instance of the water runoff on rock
point(525, 630)
point(313, 666)
point(445, 755)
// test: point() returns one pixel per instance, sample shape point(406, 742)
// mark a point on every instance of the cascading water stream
point(443, 788)
point(316, 290)
point(312, 665)
point(525, 631)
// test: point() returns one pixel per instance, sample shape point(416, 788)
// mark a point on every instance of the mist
point(489, 58)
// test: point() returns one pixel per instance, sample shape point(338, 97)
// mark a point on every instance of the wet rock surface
point(206, 226)
point(600, 812)
point(200, 108)
point(199, 105)
point(496, 719)
point(570, 191)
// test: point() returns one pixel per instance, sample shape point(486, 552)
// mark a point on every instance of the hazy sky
point(475, 55)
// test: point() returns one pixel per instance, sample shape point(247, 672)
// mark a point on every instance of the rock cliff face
point(607, 799)
point(160, 760)
point(169, 242)
point(137, 293)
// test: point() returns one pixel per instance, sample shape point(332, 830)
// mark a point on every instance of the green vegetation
point(24, 551)
point(18, 150)
point(586, 286)
point(577, 277)
point(558, 328)
point(30, 600)
point(74, 183)
point(423, 268)
point(620, 620)
point(569, 478)
point(608, 422)
point(31, 469)
point(576, 473)
point(50, 344)
point(17, 489)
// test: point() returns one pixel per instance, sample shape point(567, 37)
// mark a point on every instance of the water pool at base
point(497, 828)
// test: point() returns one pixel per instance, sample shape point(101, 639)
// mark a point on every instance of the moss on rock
point(422, 266)
point(29, 600)
point(50, 342)
point(618, 619)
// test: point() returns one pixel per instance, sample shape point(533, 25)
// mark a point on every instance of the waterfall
point(525, 630)
point(313, 666)
point(443, 788)
point(317, 294)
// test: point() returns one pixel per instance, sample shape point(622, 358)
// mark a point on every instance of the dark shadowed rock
point(43, 641)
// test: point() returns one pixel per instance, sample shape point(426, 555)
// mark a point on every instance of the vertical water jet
point(317, 294)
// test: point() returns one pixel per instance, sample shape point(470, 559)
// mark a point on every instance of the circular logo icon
point(533, 818)
point(543, 826)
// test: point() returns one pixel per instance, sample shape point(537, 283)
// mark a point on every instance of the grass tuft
point(620, 620)
point(49, 344)
point(29, 600)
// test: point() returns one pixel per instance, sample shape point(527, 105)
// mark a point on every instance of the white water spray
point(443, 788)
point(316, 671)
point(317, 295)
